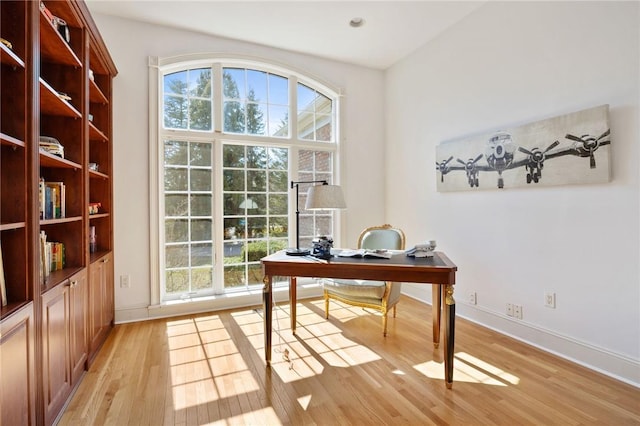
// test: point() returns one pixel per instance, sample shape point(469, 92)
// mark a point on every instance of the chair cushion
point(356, 288)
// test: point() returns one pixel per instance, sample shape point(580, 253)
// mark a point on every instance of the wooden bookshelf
point(59, 88)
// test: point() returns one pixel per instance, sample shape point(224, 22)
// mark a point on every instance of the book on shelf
point(52, 255)
point(3, 286)
point(52, 197)
point(44, 260)
point(380, 253)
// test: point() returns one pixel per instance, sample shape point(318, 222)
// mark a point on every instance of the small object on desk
point(380, 253)
point(322, 247)
point(422, 250)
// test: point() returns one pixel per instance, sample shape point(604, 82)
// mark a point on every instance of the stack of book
point(52, 197)
point(52, 255)
point(52, 146)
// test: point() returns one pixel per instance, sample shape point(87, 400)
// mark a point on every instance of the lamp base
point(298, 252)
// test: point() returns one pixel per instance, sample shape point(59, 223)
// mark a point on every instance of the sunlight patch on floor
point(469, 369)
point(264, 416)
point(315, 337)
point(488, 368)
point(304, 401)
point(205, 364)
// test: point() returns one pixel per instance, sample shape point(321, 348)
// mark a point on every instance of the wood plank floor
point(209, 369)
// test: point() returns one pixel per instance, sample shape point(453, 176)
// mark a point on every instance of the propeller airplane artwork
point(500, 155)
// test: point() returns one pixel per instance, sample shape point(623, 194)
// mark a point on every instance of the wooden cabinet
point(78, 307)
point(64, 345)
point(17, 377)
point(55, 84)
point(100, 301)
point(56, 365)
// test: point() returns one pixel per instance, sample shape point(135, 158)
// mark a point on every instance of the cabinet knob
point(105, 260)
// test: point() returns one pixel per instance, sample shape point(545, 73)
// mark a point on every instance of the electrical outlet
point(473, 298)
point(125, 281)
point(510, 309)
point(550, 299)
point(517, 311)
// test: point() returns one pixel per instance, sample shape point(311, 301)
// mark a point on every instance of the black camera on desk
point(322, 247)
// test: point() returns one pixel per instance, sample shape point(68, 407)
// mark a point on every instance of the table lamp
point(319, 197)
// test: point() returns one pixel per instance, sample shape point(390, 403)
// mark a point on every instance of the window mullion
point(218, 110)
point(293, 107)
point(218, 218)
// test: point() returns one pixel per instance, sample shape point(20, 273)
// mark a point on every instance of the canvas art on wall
point(568, 149)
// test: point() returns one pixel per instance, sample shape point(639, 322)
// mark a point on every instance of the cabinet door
point(56, 365)
point(78, 324)
point(96, 296)
point(17, 390)
point(108, 303)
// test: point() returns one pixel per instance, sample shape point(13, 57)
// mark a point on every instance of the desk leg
point(267, 299)
point(436, 301)
point(293, 297)
point(449, 335)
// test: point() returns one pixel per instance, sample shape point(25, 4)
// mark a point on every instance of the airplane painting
point(568, 149)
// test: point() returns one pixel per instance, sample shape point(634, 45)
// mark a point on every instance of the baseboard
point(210, 304)
point(602, 360)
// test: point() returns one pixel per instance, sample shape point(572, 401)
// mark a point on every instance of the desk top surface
point(400, 267)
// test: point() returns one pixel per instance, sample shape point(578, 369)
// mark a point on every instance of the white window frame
point(160, 66)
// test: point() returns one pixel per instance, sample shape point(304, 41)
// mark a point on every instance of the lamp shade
point(325, 197)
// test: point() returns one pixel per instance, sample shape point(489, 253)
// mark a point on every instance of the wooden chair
point(378, 295)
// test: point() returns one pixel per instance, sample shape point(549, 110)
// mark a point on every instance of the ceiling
point(391, 30)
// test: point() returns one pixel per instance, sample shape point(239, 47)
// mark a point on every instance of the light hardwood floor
point(209, 369)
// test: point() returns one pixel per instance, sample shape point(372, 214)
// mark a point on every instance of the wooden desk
point(438, 271)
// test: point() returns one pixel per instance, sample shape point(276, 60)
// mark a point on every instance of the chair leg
point(384, 324)
point(326, 305)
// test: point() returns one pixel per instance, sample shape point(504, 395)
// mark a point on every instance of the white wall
point(130, 44)
point(507, 64)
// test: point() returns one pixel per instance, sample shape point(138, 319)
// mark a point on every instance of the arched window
point(228, 138)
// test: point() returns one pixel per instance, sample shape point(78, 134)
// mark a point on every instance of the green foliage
point(256, 250)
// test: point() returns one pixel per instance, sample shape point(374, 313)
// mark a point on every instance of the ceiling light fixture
point(356, 22)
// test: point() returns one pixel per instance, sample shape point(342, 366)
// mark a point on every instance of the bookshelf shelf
point(11, 141)
point(98, 215)
point(96, 134)
point(59, 276)
point(96, 95)
point(51, 104)
point(46, 222)
point(50, 160)
point(7, 57)
point(97, 175)
point(11, 308)
point(11, 226)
